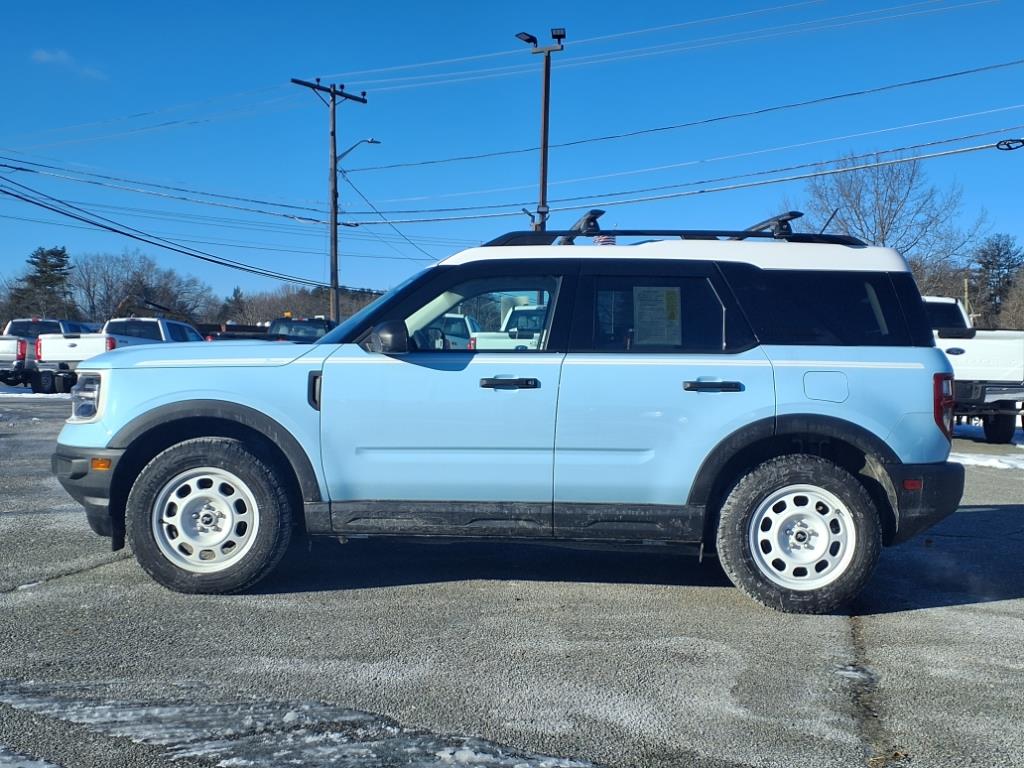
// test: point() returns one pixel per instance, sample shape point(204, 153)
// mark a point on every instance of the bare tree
point(105, 285)
point(895, 206)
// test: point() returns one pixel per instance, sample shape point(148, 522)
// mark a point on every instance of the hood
point(195, 354)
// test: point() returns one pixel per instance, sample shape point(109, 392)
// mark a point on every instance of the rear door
point(445, 439)
point(661, 368)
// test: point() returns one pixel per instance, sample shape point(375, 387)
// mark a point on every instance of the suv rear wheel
point(799, 534)
point(208, 515)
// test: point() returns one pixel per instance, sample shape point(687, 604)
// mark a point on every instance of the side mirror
point(390, 338)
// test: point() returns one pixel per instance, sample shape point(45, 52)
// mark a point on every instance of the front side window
point(177, 332)
point(510, 313)
point(657, 314)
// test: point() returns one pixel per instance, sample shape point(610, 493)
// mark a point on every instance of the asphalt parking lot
point(375, 653)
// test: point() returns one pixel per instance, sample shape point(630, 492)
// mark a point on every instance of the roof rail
point(568, 236)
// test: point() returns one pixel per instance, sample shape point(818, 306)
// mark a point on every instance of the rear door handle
point(713, 386)
point(510, 383)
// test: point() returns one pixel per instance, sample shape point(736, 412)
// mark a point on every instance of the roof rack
point(775, 228)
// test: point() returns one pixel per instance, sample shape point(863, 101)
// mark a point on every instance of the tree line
point(98, 286)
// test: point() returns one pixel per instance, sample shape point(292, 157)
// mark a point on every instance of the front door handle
point(510, 383)
point(713, 386)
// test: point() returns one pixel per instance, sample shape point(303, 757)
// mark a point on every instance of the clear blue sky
point(197, 95)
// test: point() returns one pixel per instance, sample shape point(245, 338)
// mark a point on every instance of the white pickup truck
point(988, 365)
point(57, 355)
point(17, 346)
point(522, 328)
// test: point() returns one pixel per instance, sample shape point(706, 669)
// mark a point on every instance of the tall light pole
point(335, 92)
point(558, 35)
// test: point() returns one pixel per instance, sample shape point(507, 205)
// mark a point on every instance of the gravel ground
point(384, 653)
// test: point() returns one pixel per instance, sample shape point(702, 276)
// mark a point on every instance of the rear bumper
point(941, 487)
point(977, 394)
point(87, 486)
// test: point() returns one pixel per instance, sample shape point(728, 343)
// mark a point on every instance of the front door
point(457, 435)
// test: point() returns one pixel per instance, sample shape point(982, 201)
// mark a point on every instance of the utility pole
point(558, 35)
point(335, 92)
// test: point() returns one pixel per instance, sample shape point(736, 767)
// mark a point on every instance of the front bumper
point(919, 508)
point(89, 487)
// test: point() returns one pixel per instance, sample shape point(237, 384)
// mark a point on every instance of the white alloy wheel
point(802, 537)
point(205, 520)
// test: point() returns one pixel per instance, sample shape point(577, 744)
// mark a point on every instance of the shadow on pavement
point(975, 556)
point(317, 564)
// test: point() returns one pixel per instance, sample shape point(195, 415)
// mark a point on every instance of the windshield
point(349, 326)
point(305, 329)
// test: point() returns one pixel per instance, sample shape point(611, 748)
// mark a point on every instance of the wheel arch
point(146, 436)
point(849, 445)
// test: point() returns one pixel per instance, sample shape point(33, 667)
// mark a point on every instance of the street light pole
point(335, 92)
point(558, 35)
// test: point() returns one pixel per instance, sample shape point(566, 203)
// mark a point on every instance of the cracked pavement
point(499, 654)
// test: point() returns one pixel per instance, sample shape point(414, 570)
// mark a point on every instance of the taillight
point(942, 392)
point(111, 343)
point(22, 350)
point(39, 349)
point(471, 344)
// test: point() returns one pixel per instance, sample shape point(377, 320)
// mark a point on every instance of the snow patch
point(1011, 461)
point(266, 734)
point(9, 759)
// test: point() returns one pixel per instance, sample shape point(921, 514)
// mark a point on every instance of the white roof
point(770, 255)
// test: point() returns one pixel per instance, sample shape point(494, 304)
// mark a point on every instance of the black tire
point(856, 511)
point(999, 427)
point(43, 383)
point(269, 524)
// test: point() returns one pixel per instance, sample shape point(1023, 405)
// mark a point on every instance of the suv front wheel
point(208, 515)
point(799, 534)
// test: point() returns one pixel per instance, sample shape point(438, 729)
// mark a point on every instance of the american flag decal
point(604, 239)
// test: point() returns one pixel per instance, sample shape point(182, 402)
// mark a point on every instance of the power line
point(130, 232)
point(704, 121)
point(519, 204)
point(169, 187)
point(656, 50)
point(583, 41)
point(366, 200)
point(784, 30)
point(249, 246)
point(692, 193)
point(154, 193)
point(717, 158)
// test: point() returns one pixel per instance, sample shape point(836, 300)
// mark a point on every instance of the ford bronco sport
point(772, 396)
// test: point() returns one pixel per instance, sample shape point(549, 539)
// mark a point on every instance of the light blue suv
point(772, 397)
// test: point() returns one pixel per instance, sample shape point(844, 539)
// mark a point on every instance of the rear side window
point(657, 314)
point(140, 329)
point(820, 308)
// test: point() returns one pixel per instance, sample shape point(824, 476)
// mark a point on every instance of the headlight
point(85, 397)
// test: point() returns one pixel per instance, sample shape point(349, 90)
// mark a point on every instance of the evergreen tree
point(997, 262)
point(45, 290)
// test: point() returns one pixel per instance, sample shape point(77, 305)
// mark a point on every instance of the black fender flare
point(231, 412)
point(781, 426)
